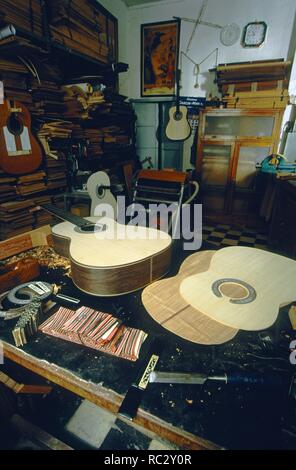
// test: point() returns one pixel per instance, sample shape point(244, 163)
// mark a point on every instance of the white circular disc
point(230, 34)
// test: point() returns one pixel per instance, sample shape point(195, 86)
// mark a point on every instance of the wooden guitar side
point(112, 267)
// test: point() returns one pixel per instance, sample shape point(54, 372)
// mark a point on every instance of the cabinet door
point(239, 126)
point(215, 164)
point(248, 157)
point(215, 173)
point(246, 196)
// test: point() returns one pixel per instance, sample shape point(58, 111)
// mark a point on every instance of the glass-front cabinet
point(231, 143)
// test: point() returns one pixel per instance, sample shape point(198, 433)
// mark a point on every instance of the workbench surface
point(237, 417)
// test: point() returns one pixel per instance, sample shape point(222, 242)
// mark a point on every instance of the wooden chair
point(162, 187)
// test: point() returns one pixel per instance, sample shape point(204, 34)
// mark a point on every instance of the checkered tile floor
point(227, 235)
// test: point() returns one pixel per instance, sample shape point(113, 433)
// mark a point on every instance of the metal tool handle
point(267, 379)
point(131, 403)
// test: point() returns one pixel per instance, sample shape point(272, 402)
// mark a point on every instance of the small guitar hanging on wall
point(19, 150)
point(178, 127)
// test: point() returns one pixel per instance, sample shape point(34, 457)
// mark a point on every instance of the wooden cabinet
point(231, 142)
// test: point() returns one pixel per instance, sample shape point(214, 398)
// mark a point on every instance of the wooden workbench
point(187, 415)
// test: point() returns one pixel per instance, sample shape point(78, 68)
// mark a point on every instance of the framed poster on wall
point(159, 57)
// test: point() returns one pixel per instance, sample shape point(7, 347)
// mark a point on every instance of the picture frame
point(159, 58)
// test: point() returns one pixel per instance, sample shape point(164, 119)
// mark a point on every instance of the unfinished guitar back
point(243, 287)
point(166, 306)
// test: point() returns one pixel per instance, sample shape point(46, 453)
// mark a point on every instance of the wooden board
point(26, 241)
point(165, 305)
point(243, 287)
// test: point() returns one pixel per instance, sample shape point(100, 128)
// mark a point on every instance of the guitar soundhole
point(15, 125)
point(178, 116)
point(238, 292)
point(233, 290)
point(91, 228)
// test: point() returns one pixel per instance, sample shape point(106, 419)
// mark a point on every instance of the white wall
point(278, 14)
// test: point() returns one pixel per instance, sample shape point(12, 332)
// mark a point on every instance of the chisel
point(234, 378)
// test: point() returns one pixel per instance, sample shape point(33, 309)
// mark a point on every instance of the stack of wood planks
point(83, 27)
point(260, 84)
point(87, 124)
point(47, 98)
point(54, 137)
point(15, 218)
point(56, 129)
point(96, 109)
point(15, 75)
point(24, 15)
point(81, 100)
point(102, 141)
point(31, 184)
point(56, 174)
point(7, 187)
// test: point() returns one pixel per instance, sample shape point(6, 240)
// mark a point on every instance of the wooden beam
point(105, 398)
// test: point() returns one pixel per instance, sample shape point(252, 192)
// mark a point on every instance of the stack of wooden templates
point(83, 39)
point(217, 293)
point(54, 137)
point(7, 187)
point(47, 98)
point(260, 84)
point(80, 103)
point(15, 218)
point(83, 27)
point(23, 14)
point(31, 184)
point(56, 174)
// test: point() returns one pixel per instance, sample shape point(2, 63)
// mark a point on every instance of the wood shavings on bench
point(47, 257)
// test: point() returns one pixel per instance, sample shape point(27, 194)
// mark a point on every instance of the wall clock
point(254, 34)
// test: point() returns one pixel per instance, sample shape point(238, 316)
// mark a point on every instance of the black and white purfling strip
point(25, 293)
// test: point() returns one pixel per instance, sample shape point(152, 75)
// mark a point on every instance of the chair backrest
point(160, 187)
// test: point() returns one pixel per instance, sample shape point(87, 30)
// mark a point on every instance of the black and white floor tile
point(100, 429)
point(226, 235)
point(84, 426)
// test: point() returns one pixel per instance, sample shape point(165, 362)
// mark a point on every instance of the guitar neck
point(178, 78)
point(67, 216)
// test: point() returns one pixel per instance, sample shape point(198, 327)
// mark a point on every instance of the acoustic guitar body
point(163, 302)
point(243, 287)
point(104, 266)
point(178, 127)
point(20, 152)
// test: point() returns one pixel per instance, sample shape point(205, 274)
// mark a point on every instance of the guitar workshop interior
point(147, 227)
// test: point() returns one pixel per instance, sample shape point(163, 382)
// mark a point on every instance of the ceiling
point(131, 3)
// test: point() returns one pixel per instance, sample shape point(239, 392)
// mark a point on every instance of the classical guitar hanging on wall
point(19, 150)
point(178, 127)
